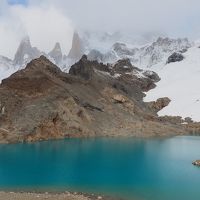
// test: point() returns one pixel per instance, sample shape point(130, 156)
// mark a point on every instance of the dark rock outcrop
point(83, 69)
point(175, 57)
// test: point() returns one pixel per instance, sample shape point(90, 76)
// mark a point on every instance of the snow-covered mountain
point(103, 41)
point(177, 61)
point(144, 56)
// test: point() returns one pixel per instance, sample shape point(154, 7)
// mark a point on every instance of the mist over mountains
point(47, 22)
point(144, 33)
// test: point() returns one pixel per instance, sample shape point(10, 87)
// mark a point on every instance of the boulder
point(118, 98)
point(196, 163)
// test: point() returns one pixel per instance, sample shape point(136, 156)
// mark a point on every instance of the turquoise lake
point(143, 169)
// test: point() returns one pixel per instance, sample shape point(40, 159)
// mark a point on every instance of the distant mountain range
point(106, 48)
point(176, 61)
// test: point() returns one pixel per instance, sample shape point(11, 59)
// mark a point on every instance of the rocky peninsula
point(41, 102)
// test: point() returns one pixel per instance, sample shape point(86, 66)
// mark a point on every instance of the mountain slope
point(41, 102)
point(180, 81)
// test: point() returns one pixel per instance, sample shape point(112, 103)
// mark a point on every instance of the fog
point(48, 21)
point(45, 26)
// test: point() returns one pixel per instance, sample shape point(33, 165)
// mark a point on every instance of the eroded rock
point(159, 104)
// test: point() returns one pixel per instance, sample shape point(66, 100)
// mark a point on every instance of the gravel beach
point(43, 196)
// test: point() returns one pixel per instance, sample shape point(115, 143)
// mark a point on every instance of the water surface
point(144, 169)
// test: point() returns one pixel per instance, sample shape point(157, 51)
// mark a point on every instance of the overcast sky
point(48, 21)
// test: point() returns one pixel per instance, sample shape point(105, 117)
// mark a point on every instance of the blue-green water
point(146, 169)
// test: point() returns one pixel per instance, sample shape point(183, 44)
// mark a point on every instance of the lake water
point(144, 169)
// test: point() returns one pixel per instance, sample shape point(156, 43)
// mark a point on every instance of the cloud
point(47, 21)
point(175, 17)
point(44, 25)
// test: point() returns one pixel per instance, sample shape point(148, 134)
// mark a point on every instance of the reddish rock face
point(76, 51)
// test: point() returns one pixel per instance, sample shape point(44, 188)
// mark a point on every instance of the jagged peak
point(77, 47)
point(56, 53)
point(25, 40)
point(57, 47)
point(25, 52)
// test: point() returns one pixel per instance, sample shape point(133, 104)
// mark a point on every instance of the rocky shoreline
point(52, 196)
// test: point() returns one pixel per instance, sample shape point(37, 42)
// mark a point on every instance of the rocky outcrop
point(41, 102)
point(175, 57)
point(196, 163)
point(83, 69)
point(159, 104)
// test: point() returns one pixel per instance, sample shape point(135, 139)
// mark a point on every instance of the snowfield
point(180, 81)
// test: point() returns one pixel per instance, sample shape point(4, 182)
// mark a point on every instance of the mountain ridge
point(41, 102)
point(154, 56)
